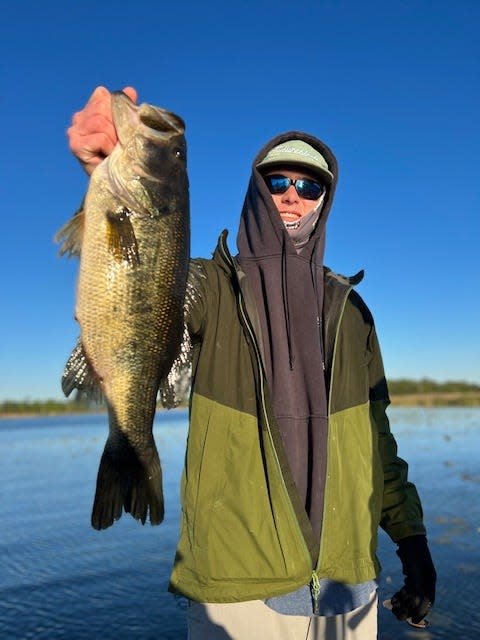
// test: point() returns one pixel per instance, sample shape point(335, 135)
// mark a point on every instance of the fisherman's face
point(290, 205)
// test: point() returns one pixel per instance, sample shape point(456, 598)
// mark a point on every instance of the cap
point(297, 152)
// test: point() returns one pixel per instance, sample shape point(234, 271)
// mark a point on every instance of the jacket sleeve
point(402, 513)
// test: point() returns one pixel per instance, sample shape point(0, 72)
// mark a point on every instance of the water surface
point(62, 579)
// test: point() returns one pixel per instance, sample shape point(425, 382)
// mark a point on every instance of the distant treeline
point(428, 393)
point(404, 386)
point(402, 391)
point(47, 407)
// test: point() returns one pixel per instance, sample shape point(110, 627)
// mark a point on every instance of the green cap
point(297, 152)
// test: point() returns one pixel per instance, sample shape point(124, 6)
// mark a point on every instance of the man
point(290, 465)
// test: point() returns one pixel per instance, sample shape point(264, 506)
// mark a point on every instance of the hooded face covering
point(284, 273)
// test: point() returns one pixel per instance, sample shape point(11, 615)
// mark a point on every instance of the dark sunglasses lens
point(277, 184)
point(309, 189)
point(306, 188)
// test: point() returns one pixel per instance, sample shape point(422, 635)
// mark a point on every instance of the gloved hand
point(416, 597)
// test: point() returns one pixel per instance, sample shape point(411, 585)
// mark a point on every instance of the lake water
point(61, 579)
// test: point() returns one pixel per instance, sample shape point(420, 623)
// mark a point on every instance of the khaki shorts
point(253, 620)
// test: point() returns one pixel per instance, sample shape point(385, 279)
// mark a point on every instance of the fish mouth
point(160, 120)
point(155, 123)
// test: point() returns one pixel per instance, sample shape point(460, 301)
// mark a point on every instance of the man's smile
point(290, 216)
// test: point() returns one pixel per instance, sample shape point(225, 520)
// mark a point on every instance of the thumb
point(131, 93)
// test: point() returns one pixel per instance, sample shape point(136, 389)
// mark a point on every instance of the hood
point(261, 231)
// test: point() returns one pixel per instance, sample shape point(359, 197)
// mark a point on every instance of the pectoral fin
point(121, 237)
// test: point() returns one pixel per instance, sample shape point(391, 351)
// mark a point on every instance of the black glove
point(416, 597)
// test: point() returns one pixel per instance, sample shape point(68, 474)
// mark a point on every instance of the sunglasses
point(305, 187)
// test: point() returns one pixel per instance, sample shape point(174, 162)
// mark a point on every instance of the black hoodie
point(287, 287)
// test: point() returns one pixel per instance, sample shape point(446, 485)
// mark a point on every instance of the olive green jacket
point(244, 533)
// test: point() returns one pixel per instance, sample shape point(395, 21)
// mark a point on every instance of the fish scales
point(133, 239)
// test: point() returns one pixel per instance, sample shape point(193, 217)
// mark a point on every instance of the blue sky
point(392, 87)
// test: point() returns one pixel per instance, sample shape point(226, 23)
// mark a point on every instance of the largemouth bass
point(132, 235)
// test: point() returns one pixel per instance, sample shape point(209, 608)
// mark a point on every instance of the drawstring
point(313, 274)
point(312, 269)
point(286, 309)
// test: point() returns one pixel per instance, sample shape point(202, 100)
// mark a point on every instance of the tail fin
point(130, 482)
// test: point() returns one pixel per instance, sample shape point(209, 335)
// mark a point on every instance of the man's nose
point(290, 195)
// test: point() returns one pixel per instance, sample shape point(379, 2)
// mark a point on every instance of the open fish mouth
point(159, 120)
point(149, 121)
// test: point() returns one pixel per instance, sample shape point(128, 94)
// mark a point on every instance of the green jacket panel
point(239, 532)
point(353, 498)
